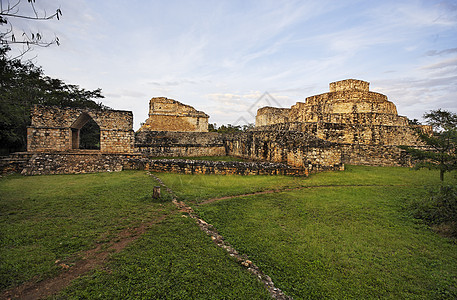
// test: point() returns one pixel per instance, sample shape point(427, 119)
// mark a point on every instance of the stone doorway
point(85, 133)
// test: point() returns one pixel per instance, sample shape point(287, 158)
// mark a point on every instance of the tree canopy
point(229, 128)
point(22, 85)
point(441, 150)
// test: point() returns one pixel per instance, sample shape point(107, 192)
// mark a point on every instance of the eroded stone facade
point(365, 124)
point(347, 125)
point(58, 129)
point(170, 115)
point(180, 144)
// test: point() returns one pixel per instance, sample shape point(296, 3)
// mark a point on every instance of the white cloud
point(221, 56)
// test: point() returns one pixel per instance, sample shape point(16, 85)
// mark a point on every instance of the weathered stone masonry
point(179, 144)
point(347, 125)
point(364, 124)
point(57, 129)
point(170, 115)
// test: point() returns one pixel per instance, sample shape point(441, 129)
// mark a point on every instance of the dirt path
point(219, 240)
point(280, 191)
point(91, 259)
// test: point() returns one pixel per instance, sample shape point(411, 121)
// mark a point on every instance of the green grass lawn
point(342, 235)
point(173, 260)
point(343, 242)
point(200, 187)
point(49, 218)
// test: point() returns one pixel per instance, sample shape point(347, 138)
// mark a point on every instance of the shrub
point(439, 209)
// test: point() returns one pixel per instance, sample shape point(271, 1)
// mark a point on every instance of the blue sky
point(222, 56)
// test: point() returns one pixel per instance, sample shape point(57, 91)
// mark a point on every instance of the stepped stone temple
point(348, 113)
point(347, 125)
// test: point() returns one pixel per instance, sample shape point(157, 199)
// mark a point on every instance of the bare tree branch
point(7, 32)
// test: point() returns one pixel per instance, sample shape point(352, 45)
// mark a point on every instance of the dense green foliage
point(229, 128)
point(442, 142)
point(439, 208)
point(90, 136)
point(22, 85)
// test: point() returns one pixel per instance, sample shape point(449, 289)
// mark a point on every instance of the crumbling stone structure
point(170, 115)
point(294, 148)
point(365, 124)
point(347, 125)
point(179, 144)
point(58, 129)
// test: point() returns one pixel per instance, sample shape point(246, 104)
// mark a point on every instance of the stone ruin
point(55, 129)
point(347, 125)
point(348, 113)
point(170, 115)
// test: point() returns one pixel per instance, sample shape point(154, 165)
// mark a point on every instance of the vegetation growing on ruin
point(347, 234)
point(441, 151)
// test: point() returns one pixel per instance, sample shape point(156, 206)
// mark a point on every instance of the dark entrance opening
point(89, 136)
point(85, 133)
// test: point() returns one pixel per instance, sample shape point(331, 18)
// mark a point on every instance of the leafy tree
point(230, 128)
point(212, 127)
point(22, 85)
point(441, 150)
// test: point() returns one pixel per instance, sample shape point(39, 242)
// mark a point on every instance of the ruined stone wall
point(294, 148)
point(352, 134)
point(76, 163)
point(361, 134)
point(349, 84)
point(221, 167)
point(55, 117)
point(117, 141)
point(57, 129)
point(271, 115)
point(359, 145)
point(375, 155)
point(345, 106)
point(179, 144)
point(170, 115)
point(48, 139)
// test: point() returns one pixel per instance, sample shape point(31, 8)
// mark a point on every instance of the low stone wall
point(14, 163)
point(375, 155)
point(179, 144)
point(76, 163)
point(219, 167)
